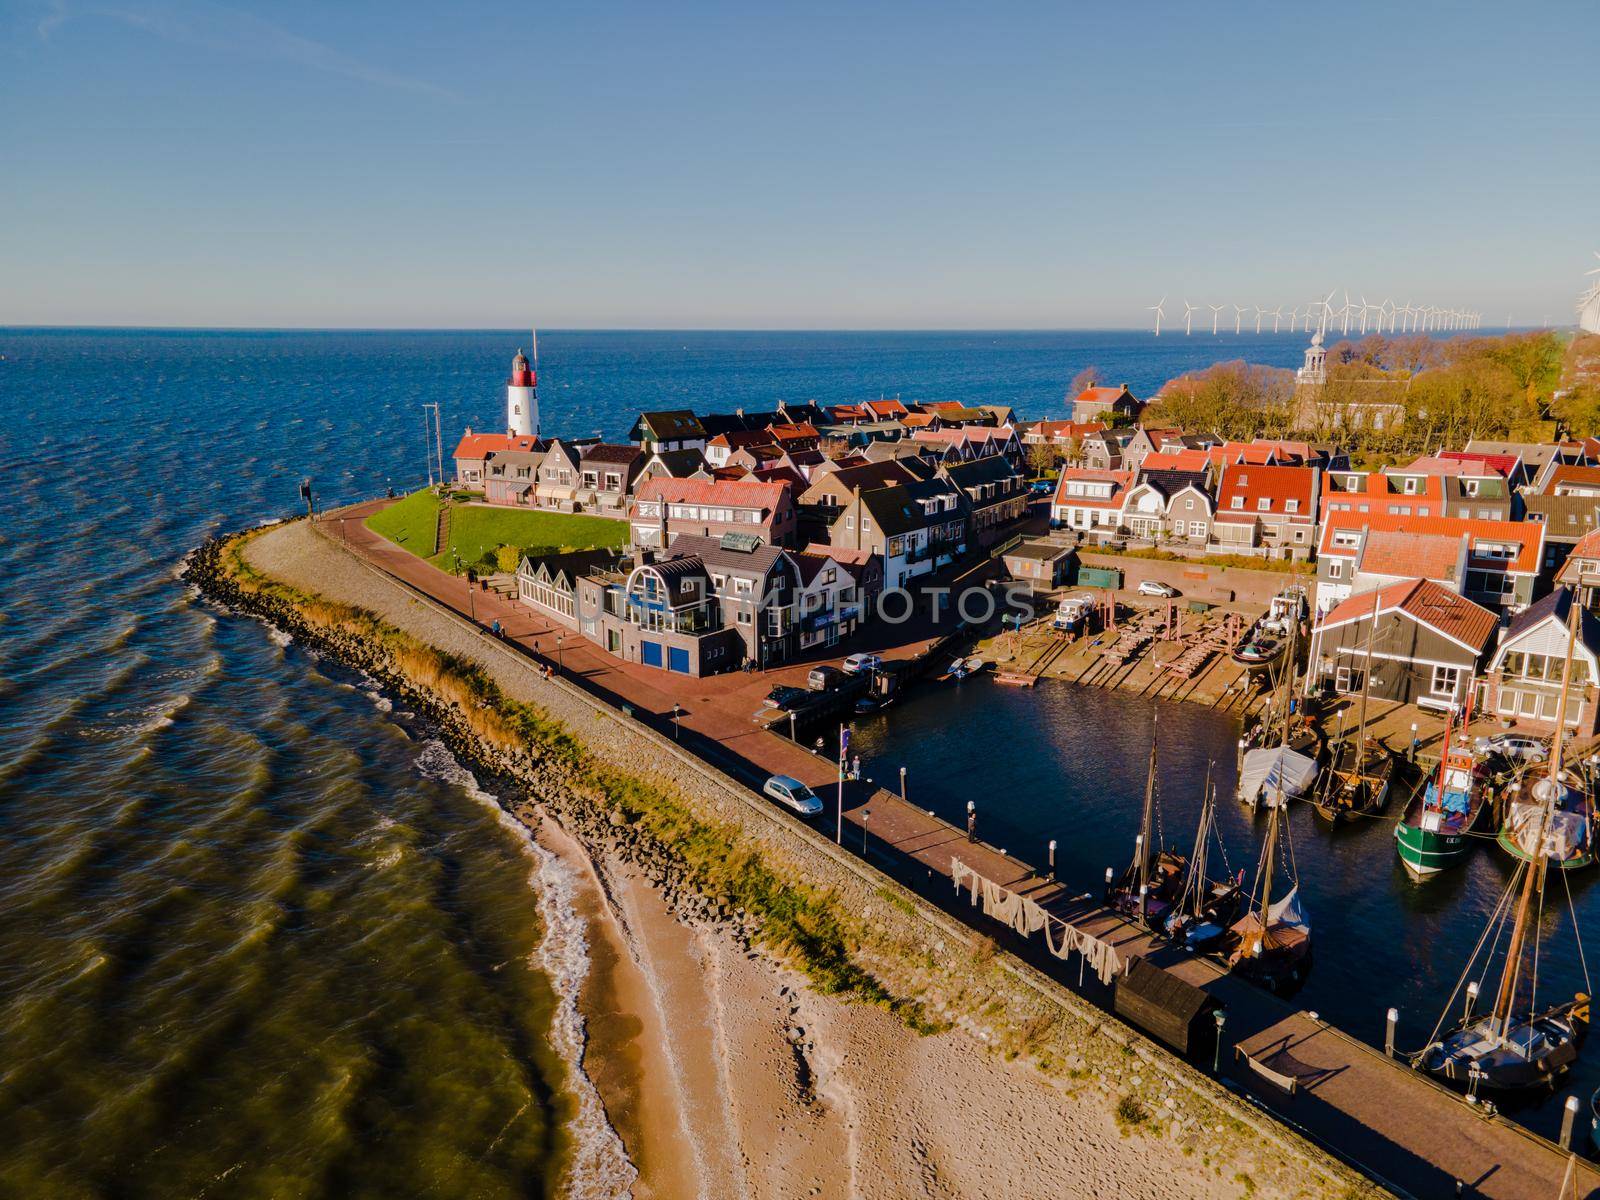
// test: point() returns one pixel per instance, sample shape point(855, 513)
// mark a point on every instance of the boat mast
point(1149, 812)
point(1538, 862)
point(1366, 679)
point(1195, 884)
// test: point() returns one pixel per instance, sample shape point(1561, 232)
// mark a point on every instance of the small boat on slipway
point(1264, 643)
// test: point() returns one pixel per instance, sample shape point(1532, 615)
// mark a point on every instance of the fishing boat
point(1150, 886)
point(1357, 783)
point(1548, 812)
point(1516, 1045)
point(1073, 614)
point(1271, 944)
point(1205, 907)
point(1264, 643)
point(1435, 832)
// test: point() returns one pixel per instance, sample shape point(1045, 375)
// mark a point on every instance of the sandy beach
point(727, 1077)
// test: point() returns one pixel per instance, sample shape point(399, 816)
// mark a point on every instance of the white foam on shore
point(278, 636)
point(600, 1169)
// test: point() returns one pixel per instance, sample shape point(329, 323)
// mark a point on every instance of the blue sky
point(804, 166)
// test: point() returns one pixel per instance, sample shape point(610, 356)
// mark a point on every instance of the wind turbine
point(1326, 305)
point(1156, 308)
point(1294, 315)
point(1216, 310)
point(1364, 307)
point(1260, 312)
point(1188, 316)
point(1238, 316)
point(1277, 318)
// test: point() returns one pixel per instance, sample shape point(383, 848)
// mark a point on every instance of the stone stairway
point(441, 534)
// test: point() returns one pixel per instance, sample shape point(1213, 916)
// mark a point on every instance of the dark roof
point(574, 563)
point(1170, 483)
point(898, 508)
point(685, 577)
point(1566, 518)
point(736, 422)
point(607, 453)
point(992, 468)
point(1557, 604)
point(1040, 551)
point(715, 554)
point(668, 425)
point(679, 464)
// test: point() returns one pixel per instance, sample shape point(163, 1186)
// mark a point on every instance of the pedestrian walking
point(855, 767)
point(972, 825)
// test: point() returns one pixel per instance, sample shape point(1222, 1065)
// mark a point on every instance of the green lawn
point(412, 522)
point(476, 530)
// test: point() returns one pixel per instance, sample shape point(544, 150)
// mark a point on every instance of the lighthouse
point(522, 395)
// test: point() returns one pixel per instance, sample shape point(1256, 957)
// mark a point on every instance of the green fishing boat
point(1435, 832)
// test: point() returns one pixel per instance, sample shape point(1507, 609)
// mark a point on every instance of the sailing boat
point(1205, 907)
point(1551, 814)
point(1271, 944)
point(1434, 833)
point(1358, 778)
point(1277, 771)
point(1514, 1047)
point(1154, 879)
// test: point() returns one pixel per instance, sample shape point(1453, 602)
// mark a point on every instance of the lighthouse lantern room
point(522, 395)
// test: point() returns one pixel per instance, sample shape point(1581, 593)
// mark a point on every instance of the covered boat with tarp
point(1274, 775)
point(1153, 881)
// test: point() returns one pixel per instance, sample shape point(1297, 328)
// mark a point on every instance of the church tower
point(522, 395)
point(1315, 372)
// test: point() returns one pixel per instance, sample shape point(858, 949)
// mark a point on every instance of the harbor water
point(1067, 762)
point(262, 930)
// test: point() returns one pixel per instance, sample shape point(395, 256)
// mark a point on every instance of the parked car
point(857, 663)
point(1154, 587)
point(785, 697)
point(820, 679)
point(1042, 487)
point(1516, 746)
point(793, 795)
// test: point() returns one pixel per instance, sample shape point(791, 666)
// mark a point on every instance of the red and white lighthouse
point(522, 395)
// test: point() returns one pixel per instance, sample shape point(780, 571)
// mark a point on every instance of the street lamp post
point(559, 639)
point(1221, 1016)
point(866, 815)
point(902, 785)
point(675, 720)
point(1052, 860)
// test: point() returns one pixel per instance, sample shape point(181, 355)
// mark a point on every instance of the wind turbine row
point(1364, 317)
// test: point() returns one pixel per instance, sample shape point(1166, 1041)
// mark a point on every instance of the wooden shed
point(1167, 1008)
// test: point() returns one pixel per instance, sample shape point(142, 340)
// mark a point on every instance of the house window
point(1446, 680)
point(1189, 504)
point(590, 479)
point(1263, 504)
point(613, 482)
point(1347, 680)
point(1238, 502)
point(1197, 528)
point(1291, 506)
point(1335, 570)
point(850, 521)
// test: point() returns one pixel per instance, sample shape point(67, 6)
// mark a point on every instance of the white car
point(857, 663)
point(793, 795)
point(1154, 587)
point(1514, 746)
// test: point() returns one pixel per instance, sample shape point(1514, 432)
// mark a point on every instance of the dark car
point(785, 697)
point(820, 679)
point(1042, 487)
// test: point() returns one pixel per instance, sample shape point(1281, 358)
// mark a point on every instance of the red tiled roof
point(1121, 481)
point(735, 438)
point(1503, 463)
point(735, 493)
point(886, 408)
point(476, 445)
point(1246, 452)
point(1445, 465)
point(1176, 460)
point(1403, 555)
point(1588, 546)
point(918, 420)
point(1425, 601)
point(1570, 473)
point(1528, 536)
point(856, 557)
point(802, 429)
point(1099, 395)
point(1276, 485)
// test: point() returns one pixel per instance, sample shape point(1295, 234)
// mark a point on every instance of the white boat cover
point(1265, 768)
point(1289, 911)
point(1565, 834)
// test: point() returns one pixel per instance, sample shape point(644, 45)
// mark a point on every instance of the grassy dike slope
point(717, 850)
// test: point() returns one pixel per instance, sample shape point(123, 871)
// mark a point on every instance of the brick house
point(474, 448)
point(666, 509)
point(1267, 510)
point(915, 528)
point(605, 478)
point(1109, 404)
point(997, 495)
point(1088, 499)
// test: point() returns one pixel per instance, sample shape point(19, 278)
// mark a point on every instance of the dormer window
point(1264, 504)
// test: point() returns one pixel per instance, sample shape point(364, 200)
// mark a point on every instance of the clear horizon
point(189, 165)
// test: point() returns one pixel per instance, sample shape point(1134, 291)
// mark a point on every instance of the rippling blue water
point(257, 928)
